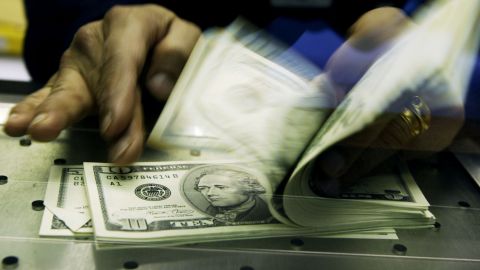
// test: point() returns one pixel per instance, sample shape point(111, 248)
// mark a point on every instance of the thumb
point(169, 57)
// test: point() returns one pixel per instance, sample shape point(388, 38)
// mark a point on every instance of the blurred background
point(12, 30)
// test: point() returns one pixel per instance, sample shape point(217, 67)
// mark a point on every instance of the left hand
point(100, 73)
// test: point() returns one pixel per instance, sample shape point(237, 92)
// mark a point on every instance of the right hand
point(99, 73)
point(345, 162)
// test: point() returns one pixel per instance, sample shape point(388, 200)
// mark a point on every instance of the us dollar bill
point(190, 202)
point(179, 202)
point(66, 211)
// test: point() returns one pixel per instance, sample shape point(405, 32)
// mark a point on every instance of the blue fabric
point(314, 39)
point(412, 5)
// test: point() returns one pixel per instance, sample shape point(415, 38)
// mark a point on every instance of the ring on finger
point(416, 116)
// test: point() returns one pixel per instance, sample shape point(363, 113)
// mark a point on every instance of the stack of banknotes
point(175, 203)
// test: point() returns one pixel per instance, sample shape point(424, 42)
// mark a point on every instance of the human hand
point(100, 73)
point(422, 123)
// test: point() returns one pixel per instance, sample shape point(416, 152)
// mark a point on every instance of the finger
point(169, 57)
point(129, 146)
point(378, 27)
point(22, 114)
point(68, 101)
point(123, 61)
point(65, 98)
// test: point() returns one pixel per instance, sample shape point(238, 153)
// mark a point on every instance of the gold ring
point(412, 121)
point(416, 116)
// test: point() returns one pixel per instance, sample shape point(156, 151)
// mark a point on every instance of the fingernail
point(106, 122)
point(161, 85)
point(119, 150)
point(332, 163)
point(39, 118)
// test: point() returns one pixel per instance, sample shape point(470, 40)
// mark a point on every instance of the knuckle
point(115, 12)
point(193, 28)
point(86, 42)
point(84, 34)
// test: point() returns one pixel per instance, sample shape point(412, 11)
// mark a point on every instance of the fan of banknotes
point(251, 117)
